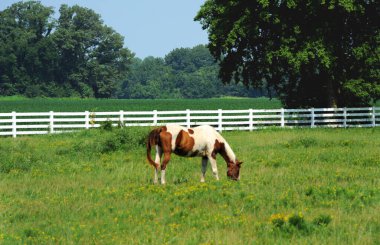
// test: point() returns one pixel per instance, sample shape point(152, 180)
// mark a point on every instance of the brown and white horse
point(203, 141)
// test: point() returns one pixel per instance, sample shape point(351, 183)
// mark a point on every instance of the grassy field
point(304, 186)
point(18, 104)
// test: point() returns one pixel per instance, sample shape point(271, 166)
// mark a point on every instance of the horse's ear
point(239, 163)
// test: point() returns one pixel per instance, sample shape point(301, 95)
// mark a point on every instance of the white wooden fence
point(13, 124)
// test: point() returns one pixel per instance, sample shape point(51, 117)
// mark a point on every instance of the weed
point(297, 220)
point(106, 125)
point(305, 142)
point(322, 220)
point(278, 220)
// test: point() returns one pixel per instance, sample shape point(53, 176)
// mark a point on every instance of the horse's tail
point(153, 139)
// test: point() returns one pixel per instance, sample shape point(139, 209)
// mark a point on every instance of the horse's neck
point(227, 152)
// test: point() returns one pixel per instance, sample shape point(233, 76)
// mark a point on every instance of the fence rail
point(13, 124)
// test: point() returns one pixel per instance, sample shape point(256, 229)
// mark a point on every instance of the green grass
point(304, 186)
point(18, 104)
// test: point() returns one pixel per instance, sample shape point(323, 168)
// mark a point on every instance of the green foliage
point(184, 73)
point(297, 220)
point(360, 92)
point(106, 125)
point(74, 55)
point(125, 139)
point(289, 222)
point(322, 220)
point(319, 54)
point(297, 223)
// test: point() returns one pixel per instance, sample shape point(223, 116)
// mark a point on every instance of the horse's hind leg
point(204, 167)
point(158, 162)
point(166, 139)
point(163, 166)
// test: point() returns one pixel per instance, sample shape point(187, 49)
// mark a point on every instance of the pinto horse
point(203, 141)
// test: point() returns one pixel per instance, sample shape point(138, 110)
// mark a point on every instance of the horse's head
point(233, 170)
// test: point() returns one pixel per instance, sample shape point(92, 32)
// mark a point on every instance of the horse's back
point(197, 141)
point(205, 137)
point(209, 132)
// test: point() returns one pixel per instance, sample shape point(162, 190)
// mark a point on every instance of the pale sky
point(150, 27)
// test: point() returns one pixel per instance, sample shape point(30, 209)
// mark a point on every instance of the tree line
point(77, 55)
point(307, 53)
point(183, 73)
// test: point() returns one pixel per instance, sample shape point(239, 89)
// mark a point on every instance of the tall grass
point(307, 186)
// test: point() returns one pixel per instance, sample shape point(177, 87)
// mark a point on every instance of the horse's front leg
point(214, 167)
point(204, 167)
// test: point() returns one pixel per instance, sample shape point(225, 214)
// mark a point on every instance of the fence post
point(250, 118)
point(188, 118)
point(87, 119)
point(154, 117)
point(220, 120)
point(14, 124)
point(345, 117)
point(373, 116)
point(312, 117)
point(282, 117)
point(51, 125)
point(121, 118)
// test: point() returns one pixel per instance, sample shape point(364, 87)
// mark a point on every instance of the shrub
point(106, 125)
point(322, 220)
point(126, 139)
point(297, 220)
point(278, 220)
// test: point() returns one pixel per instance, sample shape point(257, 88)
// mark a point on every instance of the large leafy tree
point(312, 53)
point(91, 54)
point(26, 50)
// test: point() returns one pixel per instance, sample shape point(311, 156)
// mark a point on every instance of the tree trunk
point(332, 101)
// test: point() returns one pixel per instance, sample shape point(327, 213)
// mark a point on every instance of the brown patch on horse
point(190, 131)
point(218, 148)
point(183, 144)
